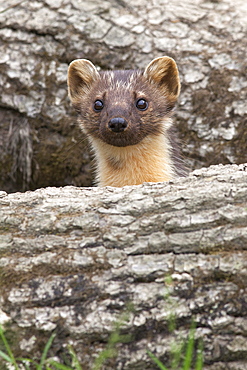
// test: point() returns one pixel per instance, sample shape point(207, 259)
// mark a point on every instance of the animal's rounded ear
point(81, 74)
point(163, 71)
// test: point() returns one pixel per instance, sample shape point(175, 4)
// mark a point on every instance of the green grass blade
point(102, 357)
point(75, 360)
point(156, 361)
point(10, 354)
point(190, 349)
point(176, 354)
point(5, 357)
point(44, 354)
point(59, 366)
point(199, 358)
point(24, 362)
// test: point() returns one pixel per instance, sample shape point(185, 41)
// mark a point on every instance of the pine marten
point(126, 115)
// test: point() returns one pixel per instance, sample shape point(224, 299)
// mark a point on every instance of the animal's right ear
point(81, 74)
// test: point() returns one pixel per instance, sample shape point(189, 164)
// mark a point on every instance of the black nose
point(117, 124)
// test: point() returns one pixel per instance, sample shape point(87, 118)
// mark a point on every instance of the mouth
point(122, 139)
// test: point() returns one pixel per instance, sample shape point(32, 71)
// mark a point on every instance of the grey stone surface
point(72, 260)
point(40, 38)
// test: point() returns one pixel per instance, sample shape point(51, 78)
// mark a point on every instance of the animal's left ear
point(163, 71)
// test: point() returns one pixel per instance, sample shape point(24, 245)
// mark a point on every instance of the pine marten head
point(126, 117)
point(121, 108)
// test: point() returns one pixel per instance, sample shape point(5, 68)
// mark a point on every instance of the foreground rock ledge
point(41, 144)
point(74, 259)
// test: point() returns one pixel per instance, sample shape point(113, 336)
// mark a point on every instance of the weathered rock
point(40, 143)
point(74, 259)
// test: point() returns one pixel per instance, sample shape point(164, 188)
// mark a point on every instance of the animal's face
point(123, 107)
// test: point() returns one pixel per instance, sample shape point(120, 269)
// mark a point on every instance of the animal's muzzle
point(117, 124)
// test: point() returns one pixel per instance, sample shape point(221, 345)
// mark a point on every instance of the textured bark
point(74, 259)
point(40, 143)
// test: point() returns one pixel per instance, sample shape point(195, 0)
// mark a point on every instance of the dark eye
point(141, 104)
point(98, 105)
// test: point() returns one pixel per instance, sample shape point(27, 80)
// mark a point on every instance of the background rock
point(41, 144)
point(74, 260)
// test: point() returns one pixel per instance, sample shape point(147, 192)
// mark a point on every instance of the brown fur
point(143, 151)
